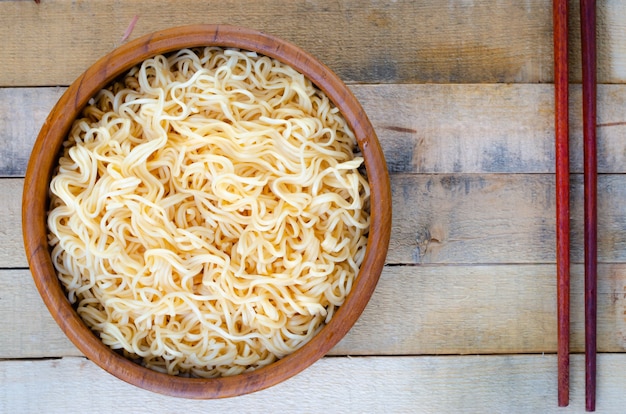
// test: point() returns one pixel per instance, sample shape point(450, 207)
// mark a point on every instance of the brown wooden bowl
point(44, 158)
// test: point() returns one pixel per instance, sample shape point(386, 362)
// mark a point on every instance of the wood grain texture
point(470, 128)
point(415, 310)
point(459, 95)
point(452, 219)
point(32, 333)
point(442, 310)
point(432, 42)
point(588, 38)
point(562, 179)
point(422, 128)
point(457, 42)
point(468, 384)
point(22, 113)
point(482, 218)
point(12, 246)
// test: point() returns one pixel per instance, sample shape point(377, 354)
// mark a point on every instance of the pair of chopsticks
point(588, 41)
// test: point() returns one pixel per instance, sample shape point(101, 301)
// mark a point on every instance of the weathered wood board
point(452, 42)
point(415, 310)
point(452, 219)
point(446, 384)
point(422, 128)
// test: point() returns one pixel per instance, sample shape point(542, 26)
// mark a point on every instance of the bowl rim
point(44, 158)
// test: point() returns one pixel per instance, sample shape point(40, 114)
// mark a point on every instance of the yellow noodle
point(208, 214)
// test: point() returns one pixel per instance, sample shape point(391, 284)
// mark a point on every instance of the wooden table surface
point(461, 96)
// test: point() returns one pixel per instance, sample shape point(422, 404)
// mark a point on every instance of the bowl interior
point(44, 158)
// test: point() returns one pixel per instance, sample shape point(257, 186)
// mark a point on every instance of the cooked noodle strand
point(208, 214)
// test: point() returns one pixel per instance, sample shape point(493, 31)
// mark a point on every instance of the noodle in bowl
point(208, 215)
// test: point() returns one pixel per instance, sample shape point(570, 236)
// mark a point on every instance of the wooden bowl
point(44, 158)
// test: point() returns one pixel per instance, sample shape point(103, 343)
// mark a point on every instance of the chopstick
point(559, 15)
point(588, 38)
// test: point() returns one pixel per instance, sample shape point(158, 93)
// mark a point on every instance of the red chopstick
point(588, 38)
point(559, 15)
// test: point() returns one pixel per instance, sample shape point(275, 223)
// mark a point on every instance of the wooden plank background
point(481, 384)
point(460, 95)
point(378, 41)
